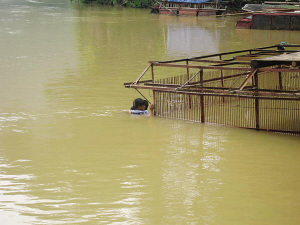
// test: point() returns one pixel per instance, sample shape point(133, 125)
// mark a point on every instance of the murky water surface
point(70, 155)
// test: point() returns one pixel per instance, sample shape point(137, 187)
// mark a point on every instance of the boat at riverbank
point(190, 7)
point(271, 16)
point(271, 21)
point(254, 88)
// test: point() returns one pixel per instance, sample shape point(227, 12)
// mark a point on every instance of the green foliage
point(82, 1)
point(140, 3)
point(238, 4)
point(131, 3)
point(232, 4)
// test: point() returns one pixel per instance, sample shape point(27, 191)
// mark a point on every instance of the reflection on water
point(70, 155)
point(192, 175)
point(187, 39)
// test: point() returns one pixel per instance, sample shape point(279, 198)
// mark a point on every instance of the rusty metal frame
point(233, 63)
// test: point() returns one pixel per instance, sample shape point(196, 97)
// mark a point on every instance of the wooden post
point(154, 102)
point(202, 109)
point(152, 72)
point(201, 77)
point(280, 80)
point(187, 70)
point(202, 98)
point(257, 125)
point(222, 80)
point(256, 79)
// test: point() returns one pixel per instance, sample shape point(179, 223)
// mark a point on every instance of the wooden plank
point(247, 80)
point(278, 70)
point(283, 59)
point(140, 77)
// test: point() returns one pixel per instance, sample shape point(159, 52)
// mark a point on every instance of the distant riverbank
point(130, 3)
point(233, 5)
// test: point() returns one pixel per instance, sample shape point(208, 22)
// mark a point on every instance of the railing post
point(202, 98)
point(187, 70)
point(257, 125)
point(202, 109)
point(222, 79)
point(154, 102)
point(152, 72)
point(280, 80)
point(201, 77)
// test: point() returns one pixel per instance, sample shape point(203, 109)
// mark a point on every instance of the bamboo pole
point(247, 79)
point(187, 70)
point(140, 77)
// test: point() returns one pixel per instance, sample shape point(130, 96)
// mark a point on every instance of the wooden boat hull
point(168, 11)
point(271, 21)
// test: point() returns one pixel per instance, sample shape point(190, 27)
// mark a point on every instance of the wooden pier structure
point(255, 88)
point(190, 7)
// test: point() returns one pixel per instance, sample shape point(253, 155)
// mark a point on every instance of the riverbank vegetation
point(130, 3)
point(238, 4)
point(232, 4)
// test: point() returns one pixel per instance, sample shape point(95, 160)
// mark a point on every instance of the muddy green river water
point(69, 154)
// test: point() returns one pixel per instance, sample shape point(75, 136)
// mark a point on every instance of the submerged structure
point(190, 7)
point(271, 16)
point(271, 21)
point(254, 88)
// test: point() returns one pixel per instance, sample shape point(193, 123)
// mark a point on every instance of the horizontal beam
point(227, 68)
point(297, 92)
point(220, 61)
point(278, 70)
point(201, 67)
point(262, 50)
point(140, 82)
point(250, 92)
point(263, 63)
point(225, 93)
point(219, 54)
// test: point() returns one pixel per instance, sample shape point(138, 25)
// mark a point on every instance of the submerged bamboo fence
point(212, 89)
